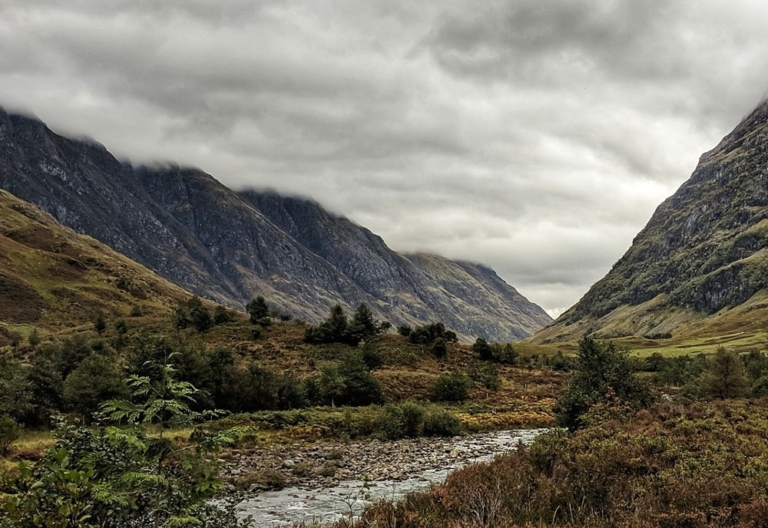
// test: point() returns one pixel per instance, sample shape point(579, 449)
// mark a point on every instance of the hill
point(54, 278)
point(229, 246)
point(699, 266)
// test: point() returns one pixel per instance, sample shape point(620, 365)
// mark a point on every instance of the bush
point(404, 330)
point(439, 348)
point(9, 433)
point(440, 422)
point(424, 335)
point(403, 420)
point(452, 387)
point(482, 349)
point(604, 374)
point(372, 358)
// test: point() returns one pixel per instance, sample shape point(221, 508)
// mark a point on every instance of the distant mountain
point(702, 258)
point(52, 277)
point(230, 246)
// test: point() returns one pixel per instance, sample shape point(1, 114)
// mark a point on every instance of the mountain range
point(701, 263)
point(229, 246)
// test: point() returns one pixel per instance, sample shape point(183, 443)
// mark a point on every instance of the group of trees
point(605, 374)
point(338, 329)
point(121, 477)
point(194, 314)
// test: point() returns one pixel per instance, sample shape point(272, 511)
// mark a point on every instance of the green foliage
point(372, 357)
point(113, 477)
point(100, 323)
point(193, 314)
point(439, 349)
point(337, 329)
point(345, 383)
point(404, 330)
point(482, 349)
point(724, 377)
point(9, 433)
point(452, 387)
point(96, 379)
point(34, 337)
point(15, 396)
point(440, 422)
point(403, 420)
point(258, 310)
point(603, 374)
point(222, 316)
point(487, 376)
point(424, 335)
point(506, 354)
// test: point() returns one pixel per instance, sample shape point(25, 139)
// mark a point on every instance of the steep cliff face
point(703, 250)
point(465, 296)
point(230, 246)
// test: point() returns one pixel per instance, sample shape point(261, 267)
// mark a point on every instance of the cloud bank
point(535, 137)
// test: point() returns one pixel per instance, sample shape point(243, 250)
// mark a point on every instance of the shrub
point(604, 373)
point(403, 420)
point(404, 330)
point(440, 422)
point(9, 433)
point(439, 348)
point(452, 387)
point(482, 349)
point(372, 358)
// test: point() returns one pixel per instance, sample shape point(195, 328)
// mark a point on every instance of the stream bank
point(326, 482)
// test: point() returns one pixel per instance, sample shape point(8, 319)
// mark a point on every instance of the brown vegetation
point(675, 465)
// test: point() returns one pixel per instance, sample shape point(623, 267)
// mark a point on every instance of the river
point(314, 503)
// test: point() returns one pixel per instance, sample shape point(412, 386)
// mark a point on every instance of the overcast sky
point(536, 137)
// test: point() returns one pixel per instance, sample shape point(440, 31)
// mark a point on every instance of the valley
point(354, 370)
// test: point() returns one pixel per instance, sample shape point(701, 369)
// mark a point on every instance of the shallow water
point(348, 498)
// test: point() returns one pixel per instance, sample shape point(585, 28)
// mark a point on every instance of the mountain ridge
point(703, 251)
point(229, 246)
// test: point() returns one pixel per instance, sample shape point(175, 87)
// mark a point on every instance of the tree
point(603, 374)
point(9, 433)
point(439, 348)
point(222, 316)
point(452, 387)
point(332, 384)
point(122, 477)
point(258, 310)
point(199, 316)
point(363, 326)
point(164, 401)
point(724, 377)
point(404, 330)
point(96, 379)
point(483, 349)
point(100, 324)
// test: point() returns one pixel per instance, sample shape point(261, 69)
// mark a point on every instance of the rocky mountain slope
point(52, 277)
point(703, 254)
point(230, 246)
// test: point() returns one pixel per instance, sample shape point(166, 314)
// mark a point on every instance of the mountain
point(229, 246)
point(50, 276)
point(702, 259)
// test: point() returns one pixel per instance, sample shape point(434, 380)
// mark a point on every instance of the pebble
point(373, 460)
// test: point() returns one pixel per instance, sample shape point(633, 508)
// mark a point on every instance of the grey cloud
point(535, 137)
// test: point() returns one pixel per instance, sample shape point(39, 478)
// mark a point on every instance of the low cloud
point(534, 137)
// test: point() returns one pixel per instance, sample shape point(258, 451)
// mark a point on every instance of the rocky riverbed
point(321, 483)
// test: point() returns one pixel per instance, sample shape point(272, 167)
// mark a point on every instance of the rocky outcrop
point(230, 246)
point(704, 249)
